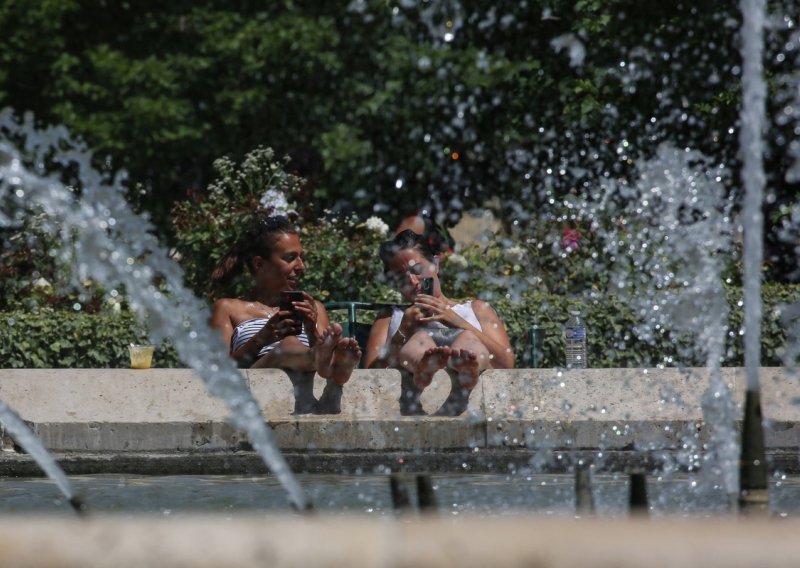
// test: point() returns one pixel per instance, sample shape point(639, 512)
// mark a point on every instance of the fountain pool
point(486, 495)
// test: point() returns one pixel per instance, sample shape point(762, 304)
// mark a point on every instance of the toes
point(347, 344)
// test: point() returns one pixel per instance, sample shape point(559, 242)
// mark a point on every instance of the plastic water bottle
point(575, 338)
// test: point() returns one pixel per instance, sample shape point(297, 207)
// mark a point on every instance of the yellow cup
point(141, 356)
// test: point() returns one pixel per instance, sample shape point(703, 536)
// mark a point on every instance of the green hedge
point(62, 339)
point(609, 320)
point(57, 339)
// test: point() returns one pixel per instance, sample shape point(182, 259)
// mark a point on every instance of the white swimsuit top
point(464, 310)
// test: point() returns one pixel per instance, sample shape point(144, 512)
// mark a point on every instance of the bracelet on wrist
point(403, 336)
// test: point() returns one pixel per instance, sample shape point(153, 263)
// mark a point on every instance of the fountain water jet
point(753, 464)
point(116, 246)
point(675, 226)
point(23, 436)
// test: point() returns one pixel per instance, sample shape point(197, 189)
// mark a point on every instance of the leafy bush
point(610, 322)
point(342, 263)
point(50, 339)
point(57, 339)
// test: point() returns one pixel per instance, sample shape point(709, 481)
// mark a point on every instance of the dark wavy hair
point(259, 241)
point(438, 237)
point(404, 240)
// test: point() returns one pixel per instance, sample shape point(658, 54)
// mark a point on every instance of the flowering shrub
point(342, 263)
point(376, 225)
point(570, 240)
point(35, 272)
point(340, 253)
point(541, 259)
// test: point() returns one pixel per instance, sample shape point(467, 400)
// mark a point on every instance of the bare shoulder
point(225, 305)
point(383, 317)
point(482, 307)
point(228, 309)
point(484, 311)
point(381, 324)
point(383, 313)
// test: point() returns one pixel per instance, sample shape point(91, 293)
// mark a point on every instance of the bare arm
point(274, 330)
point(221, 320)
point(376, 356)
point(492, 333)
point(381, 355)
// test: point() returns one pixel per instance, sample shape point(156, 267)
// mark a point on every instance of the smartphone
point(289, 296)
point(426, 285)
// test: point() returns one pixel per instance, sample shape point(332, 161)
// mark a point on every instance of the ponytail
point(231, 266)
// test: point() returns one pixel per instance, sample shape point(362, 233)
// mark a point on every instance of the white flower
point(457, 260)
point(115, 304)
point(376, 224)
point(515, 254)
point(277, 201)
point(574, 46)
point(42, 284)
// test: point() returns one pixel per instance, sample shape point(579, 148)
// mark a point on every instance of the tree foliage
point(536, 105)
point(441, 103)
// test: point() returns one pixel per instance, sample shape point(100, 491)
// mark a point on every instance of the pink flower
point(570, 240)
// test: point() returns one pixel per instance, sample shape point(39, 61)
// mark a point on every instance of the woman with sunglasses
point(434, 332)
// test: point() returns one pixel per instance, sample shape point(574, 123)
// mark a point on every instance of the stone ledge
point(243, 462)
point(96, 410)
point(206, 541)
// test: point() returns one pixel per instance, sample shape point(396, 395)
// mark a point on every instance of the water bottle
point(575, 338)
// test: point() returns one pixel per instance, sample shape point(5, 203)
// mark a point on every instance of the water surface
point(487, 495)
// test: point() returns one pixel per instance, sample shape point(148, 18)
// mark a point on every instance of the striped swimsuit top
point(243, 332)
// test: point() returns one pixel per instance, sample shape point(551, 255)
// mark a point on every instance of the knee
point(420, 341)
point(468, 340)
point(290, 344)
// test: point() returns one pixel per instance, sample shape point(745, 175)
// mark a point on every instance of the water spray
point(753, 472)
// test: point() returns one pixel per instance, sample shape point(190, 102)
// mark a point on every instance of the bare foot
point(432, 360)
point(465, 363)
point(323, 351)
point(346, 356)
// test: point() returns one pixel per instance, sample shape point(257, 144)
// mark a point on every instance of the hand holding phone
point(288, 297)
point(286, 305)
